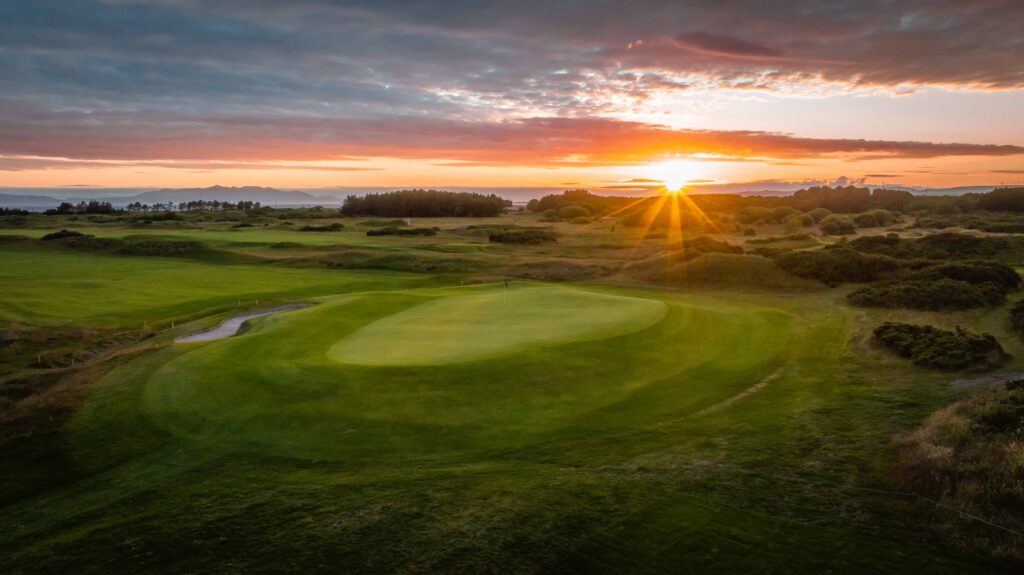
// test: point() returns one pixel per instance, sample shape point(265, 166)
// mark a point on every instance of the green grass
point(569, 429)
point(44, 287)
point(471, 326)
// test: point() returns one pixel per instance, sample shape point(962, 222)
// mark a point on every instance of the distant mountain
point(19, 201)
point(269, 196)
point(957, 191)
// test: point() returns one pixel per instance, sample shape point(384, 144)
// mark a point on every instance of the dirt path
point(231, 326)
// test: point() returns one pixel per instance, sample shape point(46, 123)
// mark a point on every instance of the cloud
point(1007, 171)
point(721, 45)
point(251, 141)
point(882, 176)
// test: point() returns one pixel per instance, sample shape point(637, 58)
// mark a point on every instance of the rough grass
point(721, 270)
point(970, 455)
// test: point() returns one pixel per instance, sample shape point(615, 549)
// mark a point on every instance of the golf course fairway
point(305, 384)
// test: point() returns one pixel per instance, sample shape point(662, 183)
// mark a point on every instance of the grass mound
point(719, 269)
point(498, 322)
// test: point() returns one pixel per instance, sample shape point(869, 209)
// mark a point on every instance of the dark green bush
point(1017, 317)
point(572, 211)
point(976, 272)
point(63, 234)
point(875, 218)
point(838, 265)
point(389, 231)
point(328, 228)
point(837, 226)
point(523, 237)
point(932, 347)
point(819, 214)
point(940, 246)
point(933, 295)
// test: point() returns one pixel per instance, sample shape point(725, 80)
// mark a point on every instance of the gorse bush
point(62, 234)
point(335, 227)
point(875, 219)
point(929, 346)
point(933, 295)
point(836, 266)
point(522, 237)
point(572, 211)
point(837, 226)
point(392, 231)
point(940, 246)
point(1017, 317)
point(976, 272)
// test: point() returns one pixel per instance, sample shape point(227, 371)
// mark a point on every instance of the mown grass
point(743, 432)
point(75, 289)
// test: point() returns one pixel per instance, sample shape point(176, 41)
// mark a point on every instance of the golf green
point(576, 363)
point(471, 327)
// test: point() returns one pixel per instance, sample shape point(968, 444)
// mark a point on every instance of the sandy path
point(230, 326)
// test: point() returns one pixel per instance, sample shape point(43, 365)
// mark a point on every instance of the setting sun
point(675, 174)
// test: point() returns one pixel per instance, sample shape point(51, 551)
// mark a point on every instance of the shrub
point(929, 346)
point(837, 226)
point(522, 237)
point(1017, 316)
point(940, 246)
point(783, 213)
point(933, 295)
point(754, 214)
point(572, 211)
point(793, 224)
point(835, 266)
point(328, 228)
point(390, 231)
point(875, 218)
point(976, 272)
point(1003, 199)
point(63, 234)
point(819, 214)
point(165, 248)
point(580, 220)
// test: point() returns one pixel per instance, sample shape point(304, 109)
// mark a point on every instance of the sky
point(614, 96)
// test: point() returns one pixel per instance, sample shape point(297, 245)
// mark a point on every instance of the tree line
point(423, 204)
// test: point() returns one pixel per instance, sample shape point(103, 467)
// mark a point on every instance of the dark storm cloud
point(225, 72)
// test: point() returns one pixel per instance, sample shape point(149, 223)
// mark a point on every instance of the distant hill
point(270, 196)
point(266, 196)
point(19, 201)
